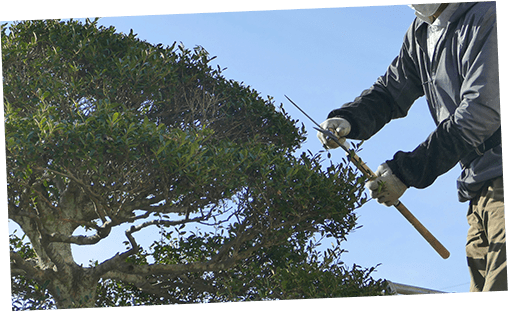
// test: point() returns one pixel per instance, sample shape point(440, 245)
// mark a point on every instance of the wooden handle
point(358, 162)
point(441, 250)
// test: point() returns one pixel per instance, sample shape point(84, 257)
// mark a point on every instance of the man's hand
point(340, 126)
point(386, 188)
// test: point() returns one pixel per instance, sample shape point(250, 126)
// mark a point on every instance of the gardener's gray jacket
point(461, 84)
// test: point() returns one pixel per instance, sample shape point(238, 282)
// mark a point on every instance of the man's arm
point(389, 98)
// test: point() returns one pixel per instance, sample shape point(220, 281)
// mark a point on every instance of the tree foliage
point(104, 129)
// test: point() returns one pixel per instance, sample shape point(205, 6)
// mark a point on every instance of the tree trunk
point(76, 288)
point(71, 285)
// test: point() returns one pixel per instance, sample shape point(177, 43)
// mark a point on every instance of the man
point(449, 54)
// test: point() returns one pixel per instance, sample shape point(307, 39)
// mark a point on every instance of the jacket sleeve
point(476, 118)
point(439, 153)
point(390, 97)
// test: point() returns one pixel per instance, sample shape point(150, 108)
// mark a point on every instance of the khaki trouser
point(486, 241)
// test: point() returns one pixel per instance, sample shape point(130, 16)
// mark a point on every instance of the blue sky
point(322, 58)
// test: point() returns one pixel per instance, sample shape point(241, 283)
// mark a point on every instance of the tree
point(103, 129)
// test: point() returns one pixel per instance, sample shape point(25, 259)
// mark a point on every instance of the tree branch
point(27, 268)
point(102, 232)
point(159, 285)
point(119, 259)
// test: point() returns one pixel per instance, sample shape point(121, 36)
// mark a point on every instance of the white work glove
point(386, 188)
point(340, 126)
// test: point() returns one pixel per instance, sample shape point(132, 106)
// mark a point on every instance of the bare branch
point(146, 204)
point(159, 285)
point(102, 232)
point(119, 258)
point(141, 282)
point(27, 268)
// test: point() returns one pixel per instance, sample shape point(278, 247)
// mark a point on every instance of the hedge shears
point(370, 175)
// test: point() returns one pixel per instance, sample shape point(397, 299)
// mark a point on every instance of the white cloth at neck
point(435, 30)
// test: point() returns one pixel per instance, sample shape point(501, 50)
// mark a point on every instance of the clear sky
point(322, 58)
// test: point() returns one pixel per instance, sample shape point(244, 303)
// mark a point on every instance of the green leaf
point(45, 95)
point(115, 117)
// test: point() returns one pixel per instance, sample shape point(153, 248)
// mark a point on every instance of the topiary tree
point(103, 129)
